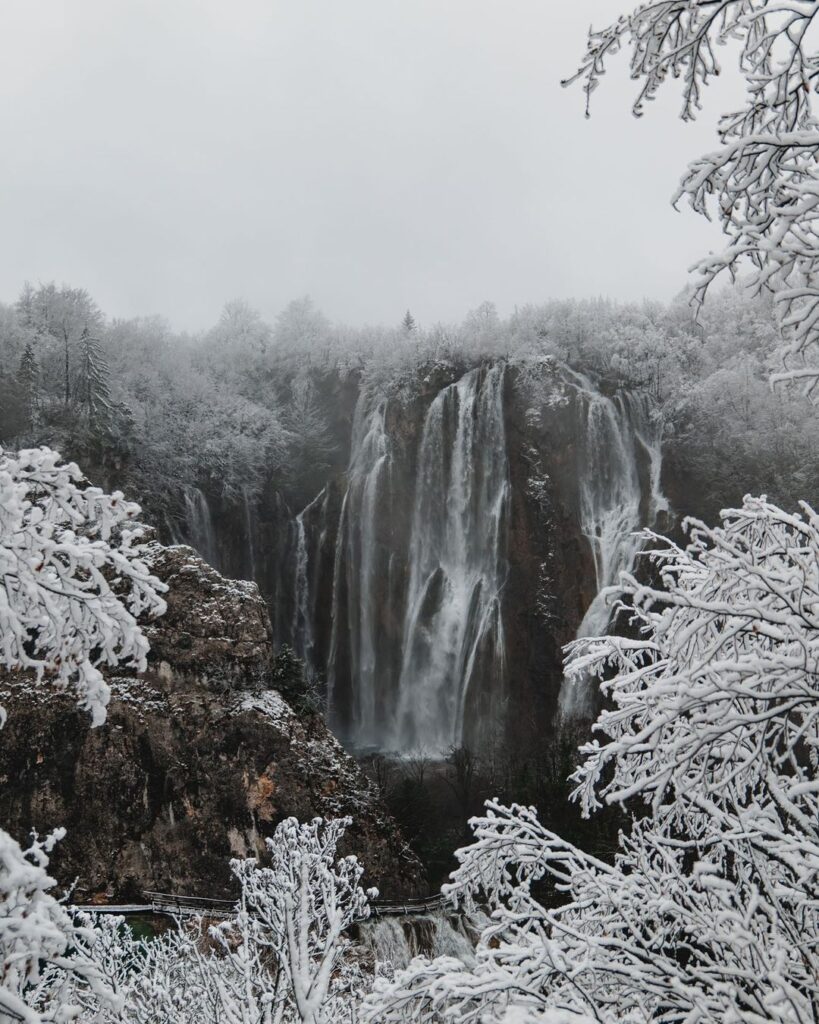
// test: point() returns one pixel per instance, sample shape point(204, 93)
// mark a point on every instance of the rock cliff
point(198, 760)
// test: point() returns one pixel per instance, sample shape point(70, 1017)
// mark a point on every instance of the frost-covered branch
point(301, 904)
point(710, 910)
point(72, 576)
point(72, 583)
point(762, 184)
point(47, 965)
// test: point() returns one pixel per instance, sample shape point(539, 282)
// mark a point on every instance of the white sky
point(375, 154)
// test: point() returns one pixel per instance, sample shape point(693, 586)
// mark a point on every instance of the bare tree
point(762, 184)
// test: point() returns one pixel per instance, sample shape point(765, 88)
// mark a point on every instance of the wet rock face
point(551, 580)
point(214, 628)
point(197, 762)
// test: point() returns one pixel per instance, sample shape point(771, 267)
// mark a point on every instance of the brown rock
point(196, 763)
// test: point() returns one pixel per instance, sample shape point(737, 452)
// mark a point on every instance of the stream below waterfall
point(395, 941)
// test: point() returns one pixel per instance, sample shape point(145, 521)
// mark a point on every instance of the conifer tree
point(28, 376)
point(93, 389)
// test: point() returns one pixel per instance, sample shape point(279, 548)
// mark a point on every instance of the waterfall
point(395, 941)
point(173, 530)
point(457, 563)
point(357, 575)
point(416, 655)
point(396, 574)
point(303, 610)
point(200, 525)
point(251, 547)
point(616, 436)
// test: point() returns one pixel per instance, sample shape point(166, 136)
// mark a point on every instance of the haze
point(378, 155)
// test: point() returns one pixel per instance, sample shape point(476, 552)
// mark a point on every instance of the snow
point(74, 578)
point(271, 704)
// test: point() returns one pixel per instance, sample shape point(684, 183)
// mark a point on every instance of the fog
point(375, 154)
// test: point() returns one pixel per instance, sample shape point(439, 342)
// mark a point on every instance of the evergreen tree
point(408, 323)
point(28, 376)
point(93, 389)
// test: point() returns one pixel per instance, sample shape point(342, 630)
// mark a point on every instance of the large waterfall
point(399, 570)
point(416, 651)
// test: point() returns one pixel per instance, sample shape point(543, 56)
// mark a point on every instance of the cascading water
point(457, 563)
point(200, 525)
point(303, 633)
point(396, 575)
point(616, 435)
point(358, 566)
point(396, 941)
point(251, 546)
point(416, 655)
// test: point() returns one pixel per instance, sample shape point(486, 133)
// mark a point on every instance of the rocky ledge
point(198, 761)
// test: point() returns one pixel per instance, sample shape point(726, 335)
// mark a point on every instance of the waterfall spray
point(396, 941)
point(457, 563)
point(613, 435)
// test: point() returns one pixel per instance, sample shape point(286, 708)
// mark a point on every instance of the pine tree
point(408, 323)
point(28, 376)
point(93, 388)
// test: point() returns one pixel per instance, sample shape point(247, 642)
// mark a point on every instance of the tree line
point(247, 403)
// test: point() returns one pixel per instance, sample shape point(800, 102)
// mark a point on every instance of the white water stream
point(616, 434)
point(457, 562)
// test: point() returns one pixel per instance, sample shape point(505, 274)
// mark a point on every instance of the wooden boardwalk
point(196, 906)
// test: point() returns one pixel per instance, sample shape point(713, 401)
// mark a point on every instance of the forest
point(247, 402)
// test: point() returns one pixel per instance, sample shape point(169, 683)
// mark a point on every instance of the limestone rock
point(197, 761)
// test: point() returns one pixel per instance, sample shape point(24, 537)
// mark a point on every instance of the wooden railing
point(188, 906)
point(205, 906)
point(423, 905)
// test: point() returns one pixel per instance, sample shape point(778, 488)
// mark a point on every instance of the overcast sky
point(169, 155)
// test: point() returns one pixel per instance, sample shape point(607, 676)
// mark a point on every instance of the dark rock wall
point(551, 576)
point(197, 761)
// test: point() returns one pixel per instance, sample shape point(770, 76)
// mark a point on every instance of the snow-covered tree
point(28, 376)
point(312, 442)
point(60, 315)
point(710, 910)
point(300, 906)
point(45, 955)
point(74, 580)
point(762, 184)
point(93, 387)
point(72, 583)
point(280, 958)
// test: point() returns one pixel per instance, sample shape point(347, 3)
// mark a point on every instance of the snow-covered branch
point(72, 584)
point(710, 910)
point(72, 577)
point(302, 903)
point(763, 184)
